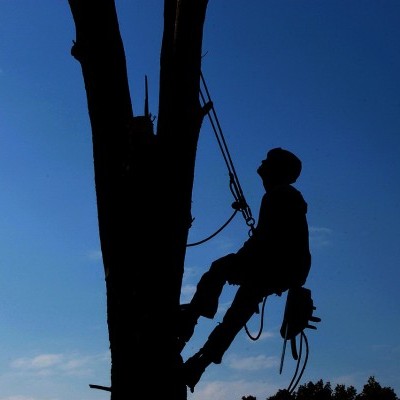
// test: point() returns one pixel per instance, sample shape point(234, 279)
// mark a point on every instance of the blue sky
point(320, 78)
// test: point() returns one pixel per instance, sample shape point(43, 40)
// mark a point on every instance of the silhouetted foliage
point(314, 391)
point(343, 393)
point(372, 390)
point(282, 395)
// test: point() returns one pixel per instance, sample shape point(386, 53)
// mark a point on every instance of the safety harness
point(298, 314)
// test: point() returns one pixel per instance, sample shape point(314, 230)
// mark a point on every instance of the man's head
point(280, 167)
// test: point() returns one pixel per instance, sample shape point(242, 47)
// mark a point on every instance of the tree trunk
point(143, 187)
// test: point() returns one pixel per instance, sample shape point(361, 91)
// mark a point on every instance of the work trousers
point(244, 305)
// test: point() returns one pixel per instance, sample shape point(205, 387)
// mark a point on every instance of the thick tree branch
point(99, 49)
point(180, 115)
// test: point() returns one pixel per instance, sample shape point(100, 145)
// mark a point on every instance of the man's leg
point(209, 288)
point(205, 300)
point(244, 305)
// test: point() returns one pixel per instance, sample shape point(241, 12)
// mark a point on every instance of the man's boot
point(194, 368)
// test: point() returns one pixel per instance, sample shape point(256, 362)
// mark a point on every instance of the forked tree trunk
point(144, 186)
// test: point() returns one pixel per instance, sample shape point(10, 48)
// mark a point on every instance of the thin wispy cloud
point(225, 244)
point(320, 236)
point(187, 292)
point(95, 255)
point(252, 363)
point(45, 376)
point(58, 364)
point(347, 380)
point(38, 362)
point(264, 335)
point(191, 273)
point(221, 390)
point(389, 352)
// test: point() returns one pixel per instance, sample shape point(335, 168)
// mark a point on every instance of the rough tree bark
point(144, 184)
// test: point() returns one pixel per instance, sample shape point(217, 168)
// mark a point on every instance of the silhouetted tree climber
point(275, 258)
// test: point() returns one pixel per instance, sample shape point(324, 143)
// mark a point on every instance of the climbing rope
point(240, 203)
point(293, 384)
point(215, 233)
point(261, 323)
point(236, 189)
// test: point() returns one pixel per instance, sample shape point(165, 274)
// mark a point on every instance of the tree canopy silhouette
point(319, 390)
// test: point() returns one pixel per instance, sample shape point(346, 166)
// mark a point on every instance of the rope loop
point(240, 203)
